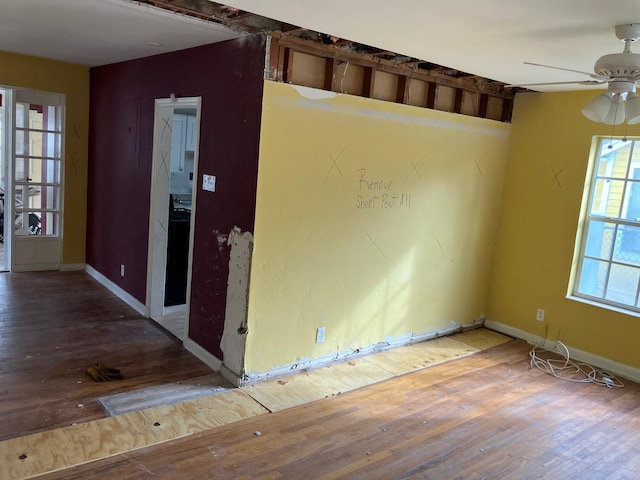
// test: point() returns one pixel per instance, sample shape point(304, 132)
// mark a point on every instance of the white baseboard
point(338, 357)
point(603, 363)
point(72, 267)
point(231, 376)
point(117, 291)
point(204, 356)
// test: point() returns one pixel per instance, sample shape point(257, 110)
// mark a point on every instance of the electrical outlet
point(122, 269)
point(540, 314)
point(320, 334)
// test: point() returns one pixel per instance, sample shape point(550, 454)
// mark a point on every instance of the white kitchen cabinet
point(190, 143)
point(183, 139)
point(178, 136)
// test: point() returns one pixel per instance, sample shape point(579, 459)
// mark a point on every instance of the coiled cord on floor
point(567, 369)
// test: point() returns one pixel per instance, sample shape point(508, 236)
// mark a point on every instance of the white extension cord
point(567, 369)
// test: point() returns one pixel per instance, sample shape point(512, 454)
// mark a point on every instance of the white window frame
point(602, 147)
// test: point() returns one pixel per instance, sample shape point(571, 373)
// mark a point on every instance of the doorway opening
point(175, 160)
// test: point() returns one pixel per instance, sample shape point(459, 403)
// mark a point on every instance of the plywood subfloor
point(54, 450)
point(483, 416)
point(62, 448)
point(306, 387)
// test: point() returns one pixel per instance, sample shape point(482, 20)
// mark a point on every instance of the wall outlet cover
point(320, 334)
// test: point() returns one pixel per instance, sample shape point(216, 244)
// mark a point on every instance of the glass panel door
point(36, 174)
point(37, 163)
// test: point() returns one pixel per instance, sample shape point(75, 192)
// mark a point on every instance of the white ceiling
point(98, 32)
point(489, 38)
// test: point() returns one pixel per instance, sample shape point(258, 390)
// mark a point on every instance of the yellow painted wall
point(73, 81)
point(538, 229)
point(322, 258)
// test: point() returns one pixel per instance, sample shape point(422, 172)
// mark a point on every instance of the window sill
point(603, 305)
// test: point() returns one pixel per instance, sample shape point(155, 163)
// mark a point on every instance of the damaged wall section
point(235, 323)
point(375, 220)
point(229, 78)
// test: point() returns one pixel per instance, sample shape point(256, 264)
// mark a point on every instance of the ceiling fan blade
point(592, 75)
point(576, 82)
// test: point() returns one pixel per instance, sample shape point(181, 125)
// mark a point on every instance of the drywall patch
point(314, 93)
point(235, 322)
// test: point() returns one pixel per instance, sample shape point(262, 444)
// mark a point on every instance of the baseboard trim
point(117, 291)
point(304, 365)
point(607, 364)
point(231, 376)
point(213, 362)
point(73, 267)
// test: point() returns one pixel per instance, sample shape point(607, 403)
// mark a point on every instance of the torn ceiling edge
point(247, 22)
point(287, 61)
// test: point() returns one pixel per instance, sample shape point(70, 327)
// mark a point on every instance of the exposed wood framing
point(507, 109)
point(368, 82)
point(482, 105)
point(457, 101)
point(402, 94)
point(287, 65)
point(459, 90)
point(283, 46)
point(432, 90)
point(331, 66)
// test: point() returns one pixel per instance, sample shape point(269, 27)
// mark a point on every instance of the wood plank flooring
point(63, 448)
point(55, 324)
point(483, 416)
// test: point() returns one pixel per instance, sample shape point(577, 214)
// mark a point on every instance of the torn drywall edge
point(338, 357)
point(616, 368)
point(432, 119)
point(314, 93)
point(234, 333)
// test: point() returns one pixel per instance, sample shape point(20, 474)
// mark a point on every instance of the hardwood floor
point(484, 416)
point(53, 325)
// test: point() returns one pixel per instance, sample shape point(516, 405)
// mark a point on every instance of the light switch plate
point(208, 182)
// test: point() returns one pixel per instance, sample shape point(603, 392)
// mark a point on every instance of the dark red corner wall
point(229, 78)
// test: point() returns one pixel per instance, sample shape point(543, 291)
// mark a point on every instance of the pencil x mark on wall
point(334, 163)
point(373, 242)
point(414, 169)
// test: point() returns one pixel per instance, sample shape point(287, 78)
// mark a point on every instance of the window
point(37, 166)
point(608, 267)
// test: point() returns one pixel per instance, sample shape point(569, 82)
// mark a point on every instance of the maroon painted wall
point(229, 78)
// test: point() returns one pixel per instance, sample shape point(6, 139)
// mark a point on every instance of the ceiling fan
point(621, 71)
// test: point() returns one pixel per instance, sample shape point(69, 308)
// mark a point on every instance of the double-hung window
point(608, 264)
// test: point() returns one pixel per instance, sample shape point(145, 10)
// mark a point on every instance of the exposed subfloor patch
point(56, 450)
point(305, 387)
point(168, 394)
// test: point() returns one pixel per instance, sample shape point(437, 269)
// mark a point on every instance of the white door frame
point(159, 203)
point(7, 172)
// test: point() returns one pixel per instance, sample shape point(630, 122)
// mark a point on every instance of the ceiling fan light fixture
point(616, 114)
point(632, 108)
point(598, 108)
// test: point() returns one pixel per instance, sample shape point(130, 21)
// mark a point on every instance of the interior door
point(35, 187)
